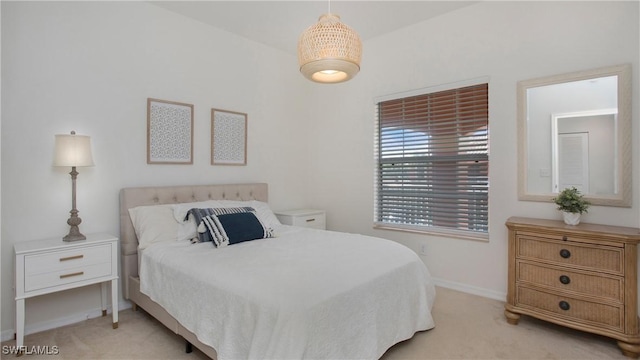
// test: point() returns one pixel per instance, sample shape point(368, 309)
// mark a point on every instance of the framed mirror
point(575, 130)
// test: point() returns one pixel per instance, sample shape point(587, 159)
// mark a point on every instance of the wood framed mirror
point(575, 130)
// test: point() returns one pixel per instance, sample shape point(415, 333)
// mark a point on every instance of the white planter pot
point(571, 218)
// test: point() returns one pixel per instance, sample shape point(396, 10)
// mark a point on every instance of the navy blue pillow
point(242, 227)
point(199, 214)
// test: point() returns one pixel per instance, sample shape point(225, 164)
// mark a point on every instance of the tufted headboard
point(140, 196)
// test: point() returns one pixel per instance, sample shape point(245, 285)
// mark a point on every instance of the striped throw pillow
point(198, 214)
point(233, 228)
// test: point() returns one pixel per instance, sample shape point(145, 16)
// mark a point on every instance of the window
point(433, 163)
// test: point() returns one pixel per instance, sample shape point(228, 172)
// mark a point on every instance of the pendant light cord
point(329, 6)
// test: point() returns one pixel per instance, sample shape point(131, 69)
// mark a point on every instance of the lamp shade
point(73, 150)
point(329, 51)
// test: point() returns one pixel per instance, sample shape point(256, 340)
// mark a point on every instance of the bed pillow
point(154, 223)
point(180, 210)
point(234, 228)
point(265, 214)
point(196, 215)
point(263, 211)
point(187, 229)
point(188, 226)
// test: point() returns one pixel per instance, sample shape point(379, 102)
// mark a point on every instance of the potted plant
point(572, 204)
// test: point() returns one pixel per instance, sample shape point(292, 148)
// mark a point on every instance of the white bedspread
point(306, 294)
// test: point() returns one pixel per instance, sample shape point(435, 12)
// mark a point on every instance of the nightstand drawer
point(572, 309)
point(315, 221)
point(51, 269)
point(66, 276)
point(607, 287)
point(66, 259)
point(308, 218)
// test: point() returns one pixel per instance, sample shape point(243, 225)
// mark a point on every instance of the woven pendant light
point(329, 51)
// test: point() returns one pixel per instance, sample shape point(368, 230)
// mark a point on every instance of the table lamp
point(73, 150)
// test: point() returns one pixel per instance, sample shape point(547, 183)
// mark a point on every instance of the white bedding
point(305, 294)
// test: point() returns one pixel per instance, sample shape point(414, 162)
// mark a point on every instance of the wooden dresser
point(583, 277)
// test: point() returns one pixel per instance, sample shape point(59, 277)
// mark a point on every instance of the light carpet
point(467, 327)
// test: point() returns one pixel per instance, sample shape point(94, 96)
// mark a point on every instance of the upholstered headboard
point(140, 196)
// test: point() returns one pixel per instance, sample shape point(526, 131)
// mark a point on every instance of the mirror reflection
point(583, 145)
point(572, 133)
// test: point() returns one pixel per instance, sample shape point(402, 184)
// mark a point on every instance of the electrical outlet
point(423, 249)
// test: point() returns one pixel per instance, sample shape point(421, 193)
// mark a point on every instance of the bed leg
point(134, 307)
point(189, 348)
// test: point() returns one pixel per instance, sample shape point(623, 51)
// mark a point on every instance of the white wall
point(89, 67)
point(506, 41)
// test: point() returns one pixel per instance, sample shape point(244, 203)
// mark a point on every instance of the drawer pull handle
point(565, 253)
point(72, 274)
point(310, 220)
point(565, 279)
point(564, 305)
point(564, 238)
point(72, 258)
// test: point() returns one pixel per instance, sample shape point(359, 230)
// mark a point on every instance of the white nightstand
point(310, 218)
point(51, 265)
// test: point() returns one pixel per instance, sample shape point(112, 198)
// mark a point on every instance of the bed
point(301, 293)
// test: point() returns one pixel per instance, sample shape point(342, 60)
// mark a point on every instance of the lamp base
point(74, 234)
point(70, 237)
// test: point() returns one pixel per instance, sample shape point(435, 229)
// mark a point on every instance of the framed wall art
point(228, 137)
point(169, 132)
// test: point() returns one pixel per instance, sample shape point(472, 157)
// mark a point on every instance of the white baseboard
point(491, 294)
point(56, 323)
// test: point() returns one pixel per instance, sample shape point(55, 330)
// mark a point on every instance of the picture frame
point(169, 132)
point(228, 137)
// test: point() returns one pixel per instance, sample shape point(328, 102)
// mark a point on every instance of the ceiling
point(280, 23)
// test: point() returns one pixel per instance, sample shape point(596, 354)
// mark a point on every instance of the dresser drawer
point(57, 268)
point(584, 256)
point(607, 287)
point(577, 310)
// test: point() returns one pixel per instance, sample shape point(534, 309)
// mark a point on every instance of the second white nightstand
point(51, 265)
point(310, 218)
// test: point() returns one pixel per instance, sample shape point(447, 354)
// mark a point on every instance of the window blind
point(432, 160)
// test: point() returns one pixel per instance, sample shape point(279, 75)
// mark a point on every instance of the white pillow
point(265, 213)
point(180, 210)
point(188, 229)
point(153, 224)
